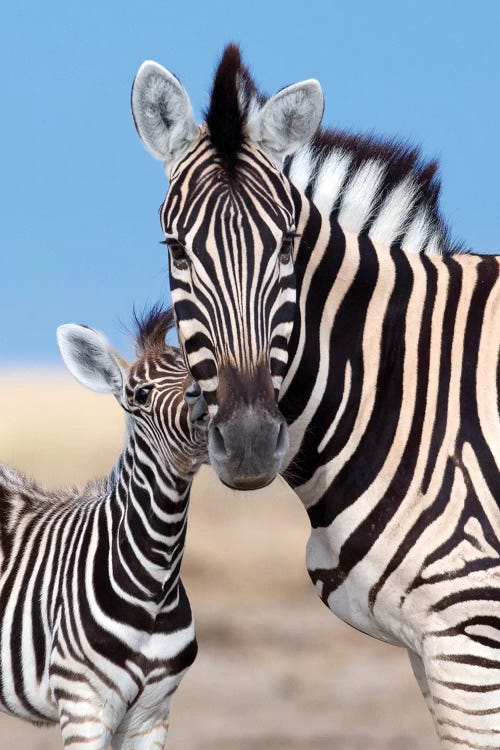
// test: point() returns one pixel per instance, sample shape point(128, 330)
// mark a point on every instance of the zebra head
point(229, 223)
point(151, 390)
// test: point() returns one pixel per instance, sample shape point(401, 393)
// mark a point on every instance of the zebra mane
point(151, 328)
point(233, 98)
point(381, 187)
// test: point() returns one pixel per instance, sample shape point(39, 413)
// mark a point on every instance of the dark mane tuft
point(233, 91)
point(233, 100)
point(151, 328)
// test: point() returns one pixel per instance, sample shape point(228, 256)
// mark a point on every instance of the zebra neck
point(380, 188)
point(364, 388)
point(148, 509)
point(348, 339)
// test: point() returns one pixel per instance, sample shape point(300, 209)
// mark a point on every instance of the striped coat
point(395, 434)
point(389, 377)
point(96, 630)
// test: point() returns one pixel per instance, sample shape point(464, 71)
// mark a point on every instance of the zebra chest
point(346, 589)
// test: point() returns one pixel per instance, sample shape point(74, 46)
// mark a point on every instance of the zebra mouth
point(248, 486)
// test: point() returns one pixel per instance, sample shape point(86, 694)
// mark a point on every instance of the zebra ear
point(91, 359)
point(287, 120)
point(162, 114)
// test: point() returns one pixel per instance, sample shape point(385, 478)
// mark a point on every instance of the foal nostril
point(282, 442)
point(218, 445)
point(192, 392)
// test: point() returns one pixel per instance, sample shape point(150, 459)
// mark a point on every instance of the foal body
point(96, 630)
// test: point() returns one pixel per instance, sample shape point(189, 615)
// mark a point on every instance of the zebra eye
point(142, 394)
point(178, 253)
point(287, 248)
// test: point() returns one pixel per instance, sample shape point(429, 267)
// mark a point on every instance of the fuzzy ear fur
point(163, 114)
point(91, 359)
point(287, 120)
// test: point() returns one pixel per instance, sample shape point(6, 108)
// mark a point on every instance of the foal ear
point(162, 114)
point(91, 359)
point(288, 119)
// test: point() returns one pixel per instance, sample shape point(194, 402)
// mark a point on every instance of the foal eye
point(286, 250)
point(142, 394)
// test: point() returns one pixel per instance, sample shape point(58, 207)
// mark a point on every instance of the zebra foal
point(96, 630)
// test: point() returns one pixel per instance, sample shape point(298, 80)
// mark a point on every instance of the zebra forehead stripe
point(230, 228)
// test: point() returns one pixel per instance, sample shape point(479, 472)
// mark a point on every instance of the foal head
point(154, 390)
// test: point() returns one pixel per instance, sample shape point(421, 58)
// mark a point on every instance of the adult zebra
point(96, 630)
point(391, 389)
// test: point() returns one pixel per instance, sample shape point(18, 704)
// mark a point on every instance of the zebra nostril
point(282, 442)
point(217, 442)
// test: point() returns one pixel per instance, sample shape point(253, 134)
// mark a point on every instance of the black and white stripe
point(232, 236)
point(395, 432)
point(96, 630)
point(391, 391)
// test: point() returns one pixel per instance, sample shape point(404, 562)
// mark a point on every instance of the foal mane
point(151, 329)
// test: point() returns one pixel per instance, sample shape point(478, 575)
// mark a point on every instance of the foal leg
point(84, 732)
point(142, 731)
point(145, 725)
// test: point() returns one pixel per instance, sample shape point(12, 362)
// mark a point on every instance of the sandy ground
point(275, 668)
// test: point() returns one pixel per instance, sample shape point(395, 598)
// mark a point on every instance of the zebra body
point(395, 435)
point(96, 630)
point(390, 378)
point(383, 477)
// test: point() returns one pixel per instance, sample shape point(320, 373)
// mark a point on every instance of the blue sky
point(79, 195)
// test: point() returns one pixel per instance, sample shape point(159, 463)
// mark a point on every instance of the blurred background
point(79, 242)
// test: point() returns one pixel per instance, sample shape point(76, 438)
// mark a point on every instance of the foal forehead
point(167, 365)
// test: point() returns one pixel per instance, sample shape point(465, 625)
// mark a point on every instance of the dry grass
point(275, 669)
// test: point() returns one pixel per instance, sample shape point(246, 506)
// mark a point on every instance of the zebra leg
point(463, 675)
point(419, 671)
